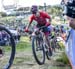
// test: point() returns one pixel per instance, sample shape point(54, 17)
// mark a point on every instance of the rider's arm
point(30, 21)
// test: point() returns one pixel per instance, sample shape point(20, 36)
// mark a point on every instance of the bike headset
point(69, 8)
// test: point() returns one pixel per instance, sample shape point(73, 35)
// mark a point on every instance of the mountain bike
point(7, 48)
point(39, 46)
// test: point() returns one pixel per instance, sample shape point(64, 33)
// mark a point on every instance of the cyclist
point(41, 18)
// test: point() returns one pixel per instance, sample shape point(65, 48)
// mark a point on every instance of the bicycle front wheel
point(7, 48)
point(38, 50)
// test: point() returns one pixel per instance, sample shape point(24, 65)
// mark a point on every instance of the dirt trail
point(25, 60)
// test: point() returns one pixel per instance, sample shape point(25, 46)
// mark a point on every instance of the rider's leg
point(46, 33)
point(48, 43)
point(47, 39)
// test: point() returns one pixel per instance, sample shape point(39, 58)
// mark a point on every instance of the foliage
point(3, 14)
point(55, 10)
point(63, 59)
point(61, 45)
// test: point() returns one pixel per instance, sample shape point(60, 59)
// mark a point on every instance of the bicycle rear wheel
point(39, 54)
point(7, 48)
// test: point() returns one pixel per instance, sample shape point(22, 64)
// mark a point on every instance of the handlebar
point(38, 28)
point(42, 27)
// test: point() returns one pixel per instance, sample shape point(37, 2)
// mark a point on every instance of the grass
point(24, 47)
point(24, 44)
point(19, 60)
point(63, 58)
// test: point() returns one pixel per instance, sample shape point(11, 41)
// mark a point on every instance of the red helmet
point(34, 9)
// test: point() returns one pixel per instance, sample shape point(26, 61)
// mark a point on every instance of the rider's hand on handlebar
point(26, 30)
point(47, 24)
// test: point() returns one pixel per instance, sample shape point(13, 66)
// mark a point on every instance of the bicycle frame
point(37, 31)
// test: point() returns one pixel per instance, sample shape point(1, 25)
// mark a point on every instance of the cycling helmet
point(34, 9)
point(70, 8)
